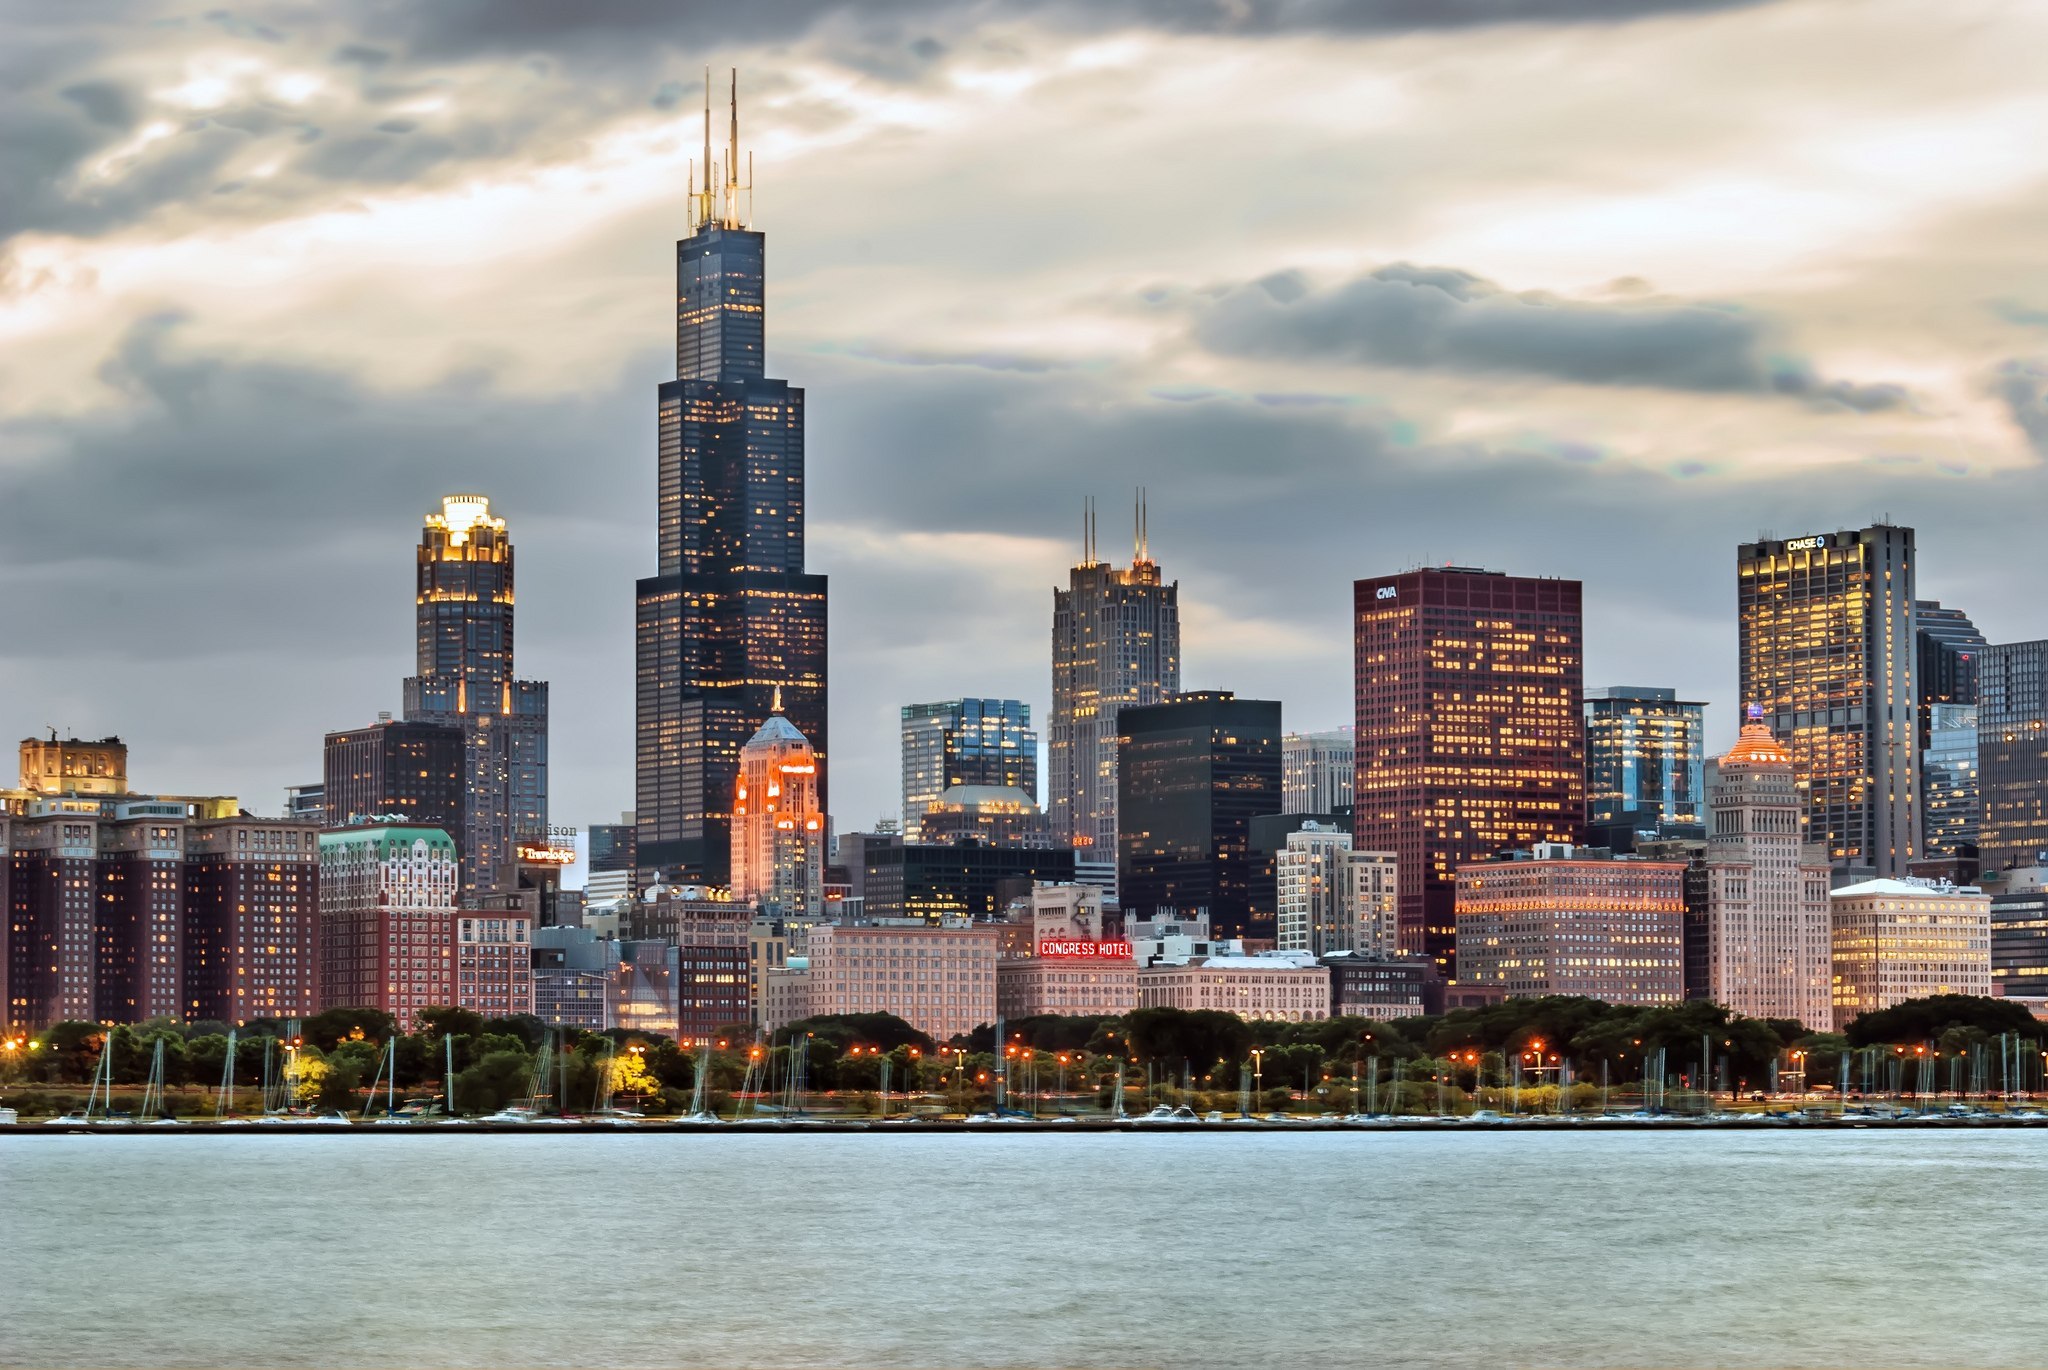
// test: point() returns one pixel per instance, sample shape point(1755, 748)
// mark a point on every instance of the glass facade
point(1645, 755)
point(1948, 778)
point(413, 771)
point(2012, 754)
point(1192, 773)
point(1470, 734)
point(1946, 643)
point(1825, 626)
point(731, 620)
point(964, 742)
point(2019, 940)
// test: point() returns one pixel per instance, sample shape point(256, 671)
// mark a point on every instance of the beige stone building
point(1276, 987)
point(939, 979)
point(1896, 940)
point(1570, 922)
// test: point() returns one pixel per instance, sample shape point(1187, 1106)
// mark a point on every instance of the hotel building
point(1470, 731)
point(1896, 940)
point(940, 980)
point(387, 919)
point(1281, 988)
point(1576, 923)
point(1057, 959)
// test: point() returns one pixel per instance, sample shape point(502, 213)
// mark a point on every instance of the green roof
point(386, 838)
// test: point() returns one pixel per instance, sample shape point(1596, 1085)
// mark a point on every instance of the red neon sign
point(1063, 949)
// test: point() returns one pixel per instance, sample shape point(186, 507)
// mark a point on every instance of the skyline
point(1608, 433)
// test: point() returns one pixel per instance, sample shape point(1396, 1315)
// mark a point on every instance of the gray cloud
point(2023, 387)
point(1426, 317)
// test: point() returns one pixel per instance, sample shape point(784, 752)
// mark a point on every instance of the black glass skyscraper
point(731, 619)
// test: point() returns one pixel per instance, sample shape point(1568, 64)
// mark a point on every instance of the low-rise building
point(1281, 986)
point(785, 997)
point(1573, 921)
point(494, 964)
point(572, 977)
point(941, 979)
point(1896, 940)
point(1367, 986)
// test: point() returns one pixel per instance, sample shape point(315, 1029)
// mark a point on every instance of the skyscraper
point(1317, 771)
point(964, 742)
point(2012, 754)
point(731, 617)
point(1948, 779)
point(1644, 760)
point(1192, 773)
point(1331, 898)
point(1115, 642)
point(414, 771)
point(778, 830)
point(1826, 647)
point(1470, 736)
point(464, 608)
point(1946, 644)
point(1761, 948)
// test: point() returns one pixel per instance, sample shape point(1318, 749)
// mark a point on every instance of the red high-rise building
point(1470, 738)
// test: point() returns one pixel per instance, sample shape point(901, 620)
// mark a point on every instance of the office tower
point(1115, 642)
point(730, 620)
point(1948, 780)
point(465, 681)
point(966, 880)
point(613, 861)
point(1825, 624)
point(1896, 940)
point(1470, 736)
point(120, 907)
point(1317, 771)
point(2019, 931)
point(308, 803)
point(2012, 754)
point(1332, 898)
point(778, 830)
point(387, 919)
point(1945, 645)
point(1575, 922)
point(1644, 764)
point(965, 742)
point(1192, 772)
point(417, 772)
point(998, 815)
point(1762, 946)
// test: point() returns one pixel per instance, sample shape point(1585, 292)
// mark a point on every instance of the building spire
point(776, 706)
point(1140, 532)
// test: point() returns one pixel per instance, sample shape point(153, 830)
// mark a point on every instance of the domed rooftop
point(1756, 747)
point(776, 730)
point(986, 796)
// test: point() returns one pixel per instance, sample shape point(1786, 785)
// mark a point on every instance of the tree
point(340, 1077)
point(840, 1031)
point(529, 1030)
point(435, 1023)
point(493, 1082)
point(328, 1029)
point(1201, 1037)
point(1924, 1020)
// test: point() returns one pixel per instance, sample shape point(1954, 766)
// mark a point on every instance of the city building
point(121, 907)
point(1317, 771)
point(940, 979)
point(730, 620)
point(688, 916)
point(1332, 898)
point(1470, 734)
point(1645, 765)
point(1363, 985)
point(691, 994)
point(612, 860)
point(1826, 649)
point(978, 742)
point(1896, 940)
point(785, 997)
point(965, 880)
point(1192, 773)
point(465, 681)
point(1115, 642)
point(494, 964)
point(2019, 931)
point(572, 977)
point(1758, 934)
point(1063, 957)
point(1574, 921)
point(1946, 645)
point(1948, 781)
point(778, 828)
point(1282, 987)
point(415, 772)
point(998, 815)
point(2012, 754)
point(387, 918)
point(306, 803)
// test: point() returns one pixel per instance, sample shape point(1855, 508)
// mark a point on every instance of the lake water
point(1236, 1251)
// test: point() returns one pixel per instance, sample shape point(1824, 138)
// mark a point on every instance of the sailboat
point(153, 1111)
point(387, 1071)
point(103, 1071)
point(448, 1118)
point(224, 1101)
point(700, 1089)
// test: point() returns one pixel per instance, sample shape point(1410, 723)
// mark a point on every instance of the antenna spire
point(732, 159)
point(776, 706)
point(701, 207)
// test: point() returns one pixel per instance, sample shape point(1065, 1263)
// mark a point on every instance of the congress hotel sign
point(1062, 949)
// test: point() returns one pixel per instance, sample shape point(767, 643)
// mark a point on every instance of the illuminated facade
point(1645, 758)
point(981, 742)
point(494, 964)
point(118, 907)
point(1566, 922)
point(1115, 643)
point(2019, 931)
point(1317, 771)
point(731, 619)
point(1271, 988)
point(778, 830)
point(1825, 626)
point(1763, 939)
point(392, 769)
point(1470, 735)
point(940, 980)
point(464, 599)
point(1192, 773)
point(2012, 754)
point(1331, 898)
point(1896, 940)
point(388, 919)
point(999, 815)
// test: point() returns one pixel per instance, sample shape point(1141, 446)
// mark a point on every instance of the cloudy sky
point(1584, 288)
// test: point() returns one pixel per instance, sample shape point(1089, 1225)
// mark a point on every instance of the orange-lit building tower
point(1470, 738)
point(778, 830)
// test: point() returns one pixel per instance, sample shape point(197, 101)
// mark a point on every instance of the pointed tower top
point(776, 706)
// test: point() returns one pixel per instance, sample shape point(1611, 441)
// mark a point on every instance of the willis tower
point(731, 619)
